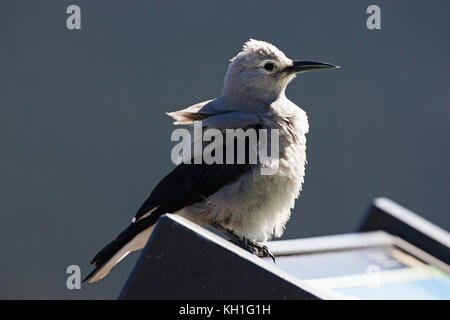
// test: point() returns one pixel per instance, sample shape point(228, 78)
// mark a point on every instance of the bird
point(235, 198)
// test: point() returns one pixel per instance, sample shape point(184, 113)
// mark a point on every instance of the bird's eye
point(269, 66)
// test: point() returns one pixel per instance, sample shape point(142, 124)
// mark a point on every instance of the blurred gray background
point(84, 137)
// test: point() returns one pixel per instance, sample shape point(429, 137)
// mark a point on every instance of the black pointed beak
point(303, 66)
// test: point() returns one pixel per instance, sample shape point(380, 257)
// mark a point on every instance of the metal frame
point(386, 215)
point(185, 261)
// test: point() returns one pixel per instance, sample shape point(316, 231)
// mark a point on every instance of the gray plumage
point(236, 197)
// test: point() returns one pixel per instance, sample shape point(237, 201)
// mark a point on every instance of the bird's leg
point(231, 234)
point(250, 245)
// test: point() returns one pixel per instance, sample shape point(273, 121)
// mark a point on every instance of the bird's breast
point(259, 205)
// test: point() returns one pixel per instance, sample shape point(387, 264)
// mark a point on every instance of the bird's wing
point(188, 184)
point(191, 183)
point(185, 185)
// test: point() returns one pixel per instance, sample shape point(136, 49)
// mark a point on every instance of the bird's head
point(261, 72)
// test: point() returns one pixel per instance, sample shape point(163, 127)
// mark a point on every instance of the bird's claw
point(251, 246)
point(267, 253)
point(260, 249)
point(256, 248)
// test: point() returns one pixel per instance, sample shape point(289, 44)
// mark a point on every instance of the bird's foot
point(250, 245)
point(256, 248)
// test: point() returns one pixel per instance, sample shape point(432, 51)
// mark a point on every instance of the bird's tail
point(133, 238)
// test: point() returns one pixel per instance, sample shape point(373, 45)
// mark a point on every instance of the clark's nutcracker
point(236, 198)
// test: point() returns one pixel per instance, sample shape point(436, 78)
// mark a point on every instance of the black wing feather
point(185, 185)
point(191, 183)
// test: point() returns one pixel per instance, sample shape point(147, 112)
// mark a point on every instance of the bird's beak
point(303, 66)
